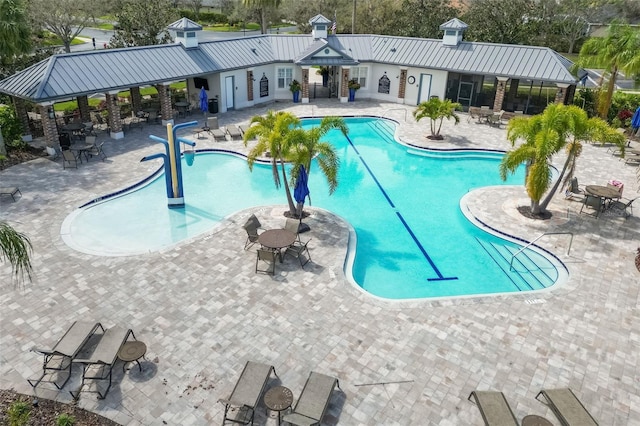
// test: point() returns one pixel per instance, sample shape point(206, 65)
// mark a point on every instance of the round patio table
point(602, 191)
point(535, 420)
point(132, 352)
point(277, 239)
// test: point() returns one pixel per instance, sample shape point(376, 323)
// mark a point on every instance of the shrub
point(65, 419)
point(19, 413)
point(11, 128)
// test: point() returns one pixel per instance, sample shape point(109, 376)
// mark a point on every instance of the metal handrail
point(379, 124)
point(536, 239)
point(398, 109)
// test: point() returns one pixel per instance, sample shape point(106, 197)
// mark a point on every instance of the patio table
point(277, 239)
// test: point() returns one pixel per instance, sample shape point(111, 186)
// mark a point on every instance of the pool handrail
point(536, 239)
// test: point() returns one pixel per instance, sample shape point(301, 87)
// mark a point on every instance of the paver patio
point(203, 312)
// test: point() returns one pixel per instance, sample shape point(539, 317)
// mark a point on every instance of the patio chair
point(88, 129)
point(254, 221)
point(10, 190)
point(494, 408)
point(293, 225)
point(495, 119)
point(566, 407)
point(59, 358)
point(246, 393)
point(213, 128)
point(593, 202)
point(68, 157)
point(99, 365)
point(298, 250)
point(96, 151)
point(234, 132)
point(625, 208)
point(573, 190)
point(252, 234)
point(313, 401)
point(268, 257)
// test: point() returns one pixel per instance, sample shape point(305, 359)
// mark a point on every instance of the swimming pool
point(413, 241)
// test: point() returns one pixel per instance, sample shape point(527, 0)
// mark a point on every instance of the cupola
point(186, 32)
point(319, 26)
point(453, 30)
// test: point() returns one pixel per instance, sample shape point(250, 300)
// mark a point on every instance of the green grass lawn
point(228, 28)
point(51, 39)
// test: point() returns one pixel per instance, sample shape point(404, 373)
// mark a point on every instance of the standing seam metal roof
point(83, 73)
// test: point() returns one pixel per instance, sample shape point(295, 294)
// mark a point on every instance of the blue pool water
point(412, 239)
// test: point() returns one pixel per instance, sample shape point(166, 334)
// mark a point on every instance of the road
point(103, 36)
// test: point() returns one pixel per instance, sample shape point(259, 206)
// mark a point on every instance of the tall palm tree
point(15, 248)
point(546, 134)
point(309, 146)
point(275, 135)
point(618, 52)
point(14, 29)
point(437, 110)
point(263, 6)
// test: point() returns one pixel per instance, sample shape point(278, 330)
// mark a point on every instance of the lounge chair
point(494, 408)
point(567, 407)
point(313, 401)
point(234, 132)
point(243, 128)
point(213, 128)
point(59, 358)
point(268, 257)
point(99, 365)
point(10, 190)
point(247, 391)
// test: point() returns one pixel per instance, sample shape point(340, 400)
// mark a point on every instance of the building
point(242, 72)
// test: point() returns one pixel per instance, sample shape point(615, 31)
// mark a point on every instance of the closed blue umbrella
point(301, 190)
point(203, 100)
point(635, 120)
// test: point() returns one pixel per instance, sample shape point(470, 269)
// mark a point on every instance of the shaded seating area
point(99, 365)
point(494, 408)
point(240, 406)
point(567, 407)
point(314, 400)
point(59, 357)
point(10, 191)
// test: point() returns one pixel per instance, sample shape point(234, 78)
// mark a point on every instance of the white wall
point(438, 84)
point(269, 72)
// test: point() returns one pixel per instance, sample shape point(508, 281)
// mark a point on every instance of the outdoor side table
point(132, 352)
point(278, 399)
point(535, 420)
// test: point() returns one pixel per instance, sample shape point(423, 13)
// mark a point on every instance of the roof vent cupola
point(319, 26)
point(186, 32)
point(453, 30)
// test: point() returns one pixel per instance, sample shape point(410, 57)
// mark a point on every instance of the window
point(180, 34)
point(285, 75)
point(450, 33)
point(191, 34)
point(321, 27)
point(360, 74)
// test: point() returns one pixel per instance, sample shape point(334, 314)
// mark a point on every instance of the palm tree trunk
point(552, 191)
point(292, 207)
point(535, 207)
point(604, 108)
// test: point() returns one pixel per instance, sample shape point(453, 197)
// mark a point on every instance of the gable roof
point(84, 73)
point(184, 24)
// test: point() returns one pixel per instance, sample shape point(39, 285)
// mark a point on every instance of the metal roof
point(319, 19)
point(454, 24)
point(73, 74)
point(184, 24)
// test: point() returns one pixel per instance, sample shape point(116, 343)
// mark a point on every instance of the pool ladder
point(536, 239)
point(398, 109)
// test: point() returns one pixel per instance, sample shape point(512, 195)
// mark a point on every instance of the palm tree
point(309, 146)
point(14, 29)
point(544, 135)
point(15, 247)
point(275, 135)
point(618, 52)
point(437, 110)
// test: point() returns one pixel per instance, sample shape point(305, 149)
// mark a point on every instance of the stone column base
point(305, 100)
point(117, 135)
point(344, 99)
point(27, 138)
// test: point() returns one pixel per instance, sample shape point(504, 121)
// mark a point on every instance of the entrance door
point(425, 88)
point(229, 92)
point(465, 93)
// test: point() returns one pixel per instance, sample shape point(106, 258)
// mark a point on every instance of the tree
point(497, 21)
point(421, 18)
point(437, 110)
point(64, 18)
point(263, 7)
point(558, 127)
point(309, 146)
point(14, 29)
point(195, 5)
point(275, 135)
point(618, 52)
point(16, 248)
point(143, 23)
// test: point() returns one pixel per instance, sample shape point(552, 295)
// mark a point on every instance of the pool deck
point(203, 312)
